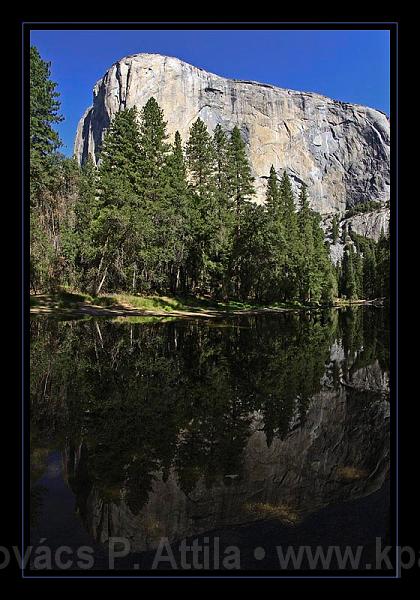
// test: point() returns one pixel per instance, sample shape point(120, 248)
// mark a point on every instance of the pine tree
point(251, 258)
point(220, 143)
point(383, 265)
point(119, 159)
point(345, 234)
point(324, 281)
point(176, 174)
point(241, 182)
point(289, 217)
point(241, 189)
point(272, 198)
point(306, 266)
point(358, 273)
point(335, 228)
point(225, 215)
point(369, 272)
point(203, 203)
point(51, 179)
point(287, 198)
point(349, 285)
point(153, 150)
point(176, 202)
point(84, 233)
point(201, 159)
point(121, 223)
point(272, 261)
point(44, 106)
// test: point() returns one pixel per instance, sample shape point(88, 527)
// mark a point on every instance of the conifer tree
point(201, 159)
point(369, 272)
point(287, 199)
point(289, 217)
point(44, 107)
point(383, 265)
point(176, 203)
point(306, 260)
point(203, 204)
point(176, 175)
point(325, 285)
point(220, 142)
point(85, 222)
point(50, 178)
point(358, 273)
point(335, 229)
point(275, 236)
point(225, 215)
point(241, 182)
point(272, 256)
point(241, 190)
point(119, 160)
point(153, 150)
point(349, 279)
point(118, 237)
point(272, 199)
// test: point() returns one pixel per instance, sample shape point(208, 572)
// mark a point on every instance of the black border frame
point(393, 28)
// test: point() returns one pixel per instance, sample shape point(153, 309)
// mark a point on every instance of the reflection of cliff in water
point(176, 429)
point(341, 453)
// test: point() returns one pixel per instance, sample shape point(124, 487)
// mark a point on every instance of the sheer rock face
point(341, 151)
point(369, 224)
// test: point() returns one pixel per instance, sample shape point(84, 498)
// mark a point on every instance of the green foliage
point(152, 151)
point(241, 189)
point(157, 218)
point(272, 199)
point(335, 228)
point(120, 160)
point(139, 400)
point(201, 160)
point(44, 106)
point(383, 266)
point(349, 284)
point(363, 207)
point(240, 180)
point(364, 271)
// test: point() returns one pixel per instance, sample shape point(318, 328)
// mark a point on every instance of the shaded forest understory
point(160, 219)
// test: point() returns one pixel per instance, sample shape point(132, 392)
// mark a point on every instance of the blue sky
point(347, 65)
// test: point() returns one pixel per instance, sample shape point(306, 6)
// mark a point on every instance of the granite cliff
point(340, 150)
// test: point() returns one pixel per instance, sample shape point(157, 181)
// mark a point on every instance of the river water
point(249, 432)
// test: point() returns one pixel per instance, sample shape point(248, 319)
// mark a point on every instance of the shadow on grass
point(65, 301)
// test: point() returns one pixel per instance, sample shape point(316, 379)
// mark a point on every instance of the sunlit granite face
point(340, 150)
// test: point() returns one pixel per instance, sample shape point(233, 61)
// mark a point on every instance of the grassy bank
point(68, 301)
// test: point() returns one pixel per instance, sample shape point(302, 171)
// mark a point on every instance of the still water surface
point(254, 430)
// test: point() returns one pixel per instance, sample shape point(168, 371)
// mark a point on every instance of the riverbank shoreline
point(67, 304)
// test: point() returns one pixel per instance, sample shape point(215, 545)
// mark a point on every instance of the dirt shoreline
point(99, 311)
point(84, 309)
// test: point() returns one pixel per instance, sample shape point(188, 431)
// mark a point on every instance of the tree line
point(364, 271)
point(160, 217)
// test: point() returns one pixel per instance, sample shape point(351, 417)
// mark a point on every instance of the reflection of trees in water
point(147, 397)
point(365, 337)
